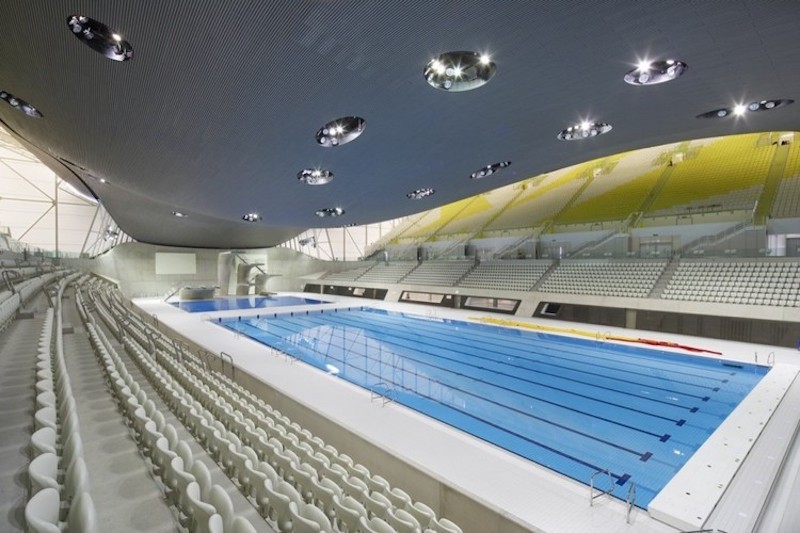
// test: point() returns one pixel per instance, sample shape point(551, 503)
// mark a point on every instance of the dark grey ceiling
point(216, 112)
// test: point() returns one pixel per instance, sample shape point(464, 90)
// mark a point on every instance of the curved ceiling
point(217, 110)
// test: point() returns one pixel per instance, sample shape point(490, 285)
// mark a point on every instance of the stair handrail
point(226, 356)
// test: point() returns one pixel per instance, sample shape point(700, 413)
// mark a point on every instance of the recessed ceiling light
point(654, 72)
point(768, 105)
point(100, 38)
point(740, 109)
point(419, 194)
point(350, 225)
point(340, 131)
point(19, 104)
point(716, 113)
point(251, 217)
point(315, 176)
point(459, 71)
point(179, 214)
point(488, 170)
point(329, 212)
point(584, 130)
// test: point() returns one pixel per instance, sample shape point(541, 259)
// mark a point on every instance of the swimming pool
point(226, 303)
point(573, 405)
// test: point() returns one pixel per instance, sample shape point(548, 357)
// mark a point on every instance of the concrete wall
point(133, 265)
point(295, 269)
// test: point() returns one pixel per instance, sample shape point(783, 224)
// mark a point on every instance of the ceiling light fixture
point(100, 38)
point(340, 131)
point(251, 217)
point(419, 194)
point(329, 212)
point(753, 107)
point(655, 72)
point(488, 170)
point(315, 176)
point(768, 105)
point(111, 233)
point(459, 71)
point(584, 130)
point(178, 214)
point(19, 104)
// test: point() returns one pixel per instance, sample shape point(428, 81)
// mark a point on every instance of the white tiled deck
point(537, 497)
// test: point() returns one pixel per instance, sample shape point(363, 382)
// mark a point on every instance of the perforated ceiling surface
point(216, 112)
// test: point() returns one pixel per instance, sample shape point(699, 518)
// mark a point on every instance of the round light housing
point(340, 131)
point(768, 105)
point(459, 71)
point(419, 194)
point(100, 38)
point(488, 170)
point(251, 217)
point(329, 212)
point(584, 130)
point(19, 104)
point(753, 107)
point(315, 176)
point(655, 72)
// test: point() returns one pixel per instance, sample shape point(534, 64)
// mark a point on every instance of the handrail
point(630, 501)
point(717, 238)
point(7, 275)
point(178, 350)
point(173, 293)
point(592, 495)
point(204, 356)
point(222, 356)
point(243, 260)
point(514, 245)
point(151, 342)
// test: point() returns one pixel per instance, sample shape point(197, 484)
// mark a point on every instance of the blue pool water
point(573, 405)
point(224, 303)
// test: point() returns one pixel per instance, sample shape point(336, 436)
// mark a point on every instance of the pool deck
point(534, 496)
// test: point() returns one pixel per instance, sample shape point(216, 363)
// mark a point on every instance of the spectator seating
point(627, 279)
point(509, 274)
point(753, 282)
point(441, 273)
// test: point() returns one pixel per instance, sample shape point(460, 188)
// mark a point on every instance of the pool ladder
point(630, 499)
point(592, 495)
point(386, 396)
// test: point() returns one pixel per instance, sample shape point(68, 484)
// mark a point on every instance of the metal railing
point(592, 495)
point(173, 292)
point(223, 357)
point(385, 397)
point(630, 501)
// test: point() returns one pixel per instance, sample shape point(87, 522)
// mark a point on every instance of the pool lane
point(572, 405)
